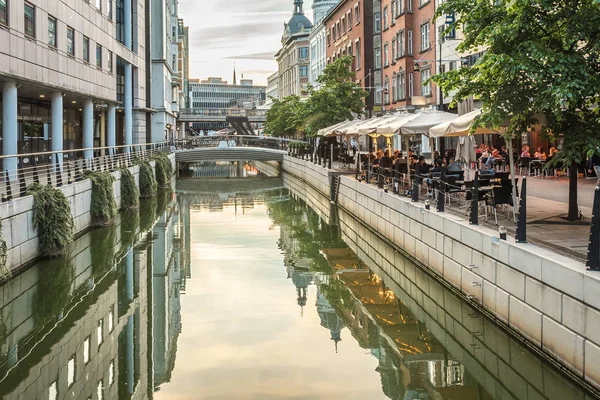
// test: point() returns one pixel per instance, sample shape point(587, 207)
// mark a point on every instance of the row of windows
point(53, 38)
point(399, 86)
point(344, 24)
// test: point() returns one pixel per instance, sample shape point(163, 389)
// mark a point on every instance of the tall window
point(99, 4)
point(70, 41)
point(425, 36)
point(401, 46)
point(357, 13)
point(358, 61)
point(3, 12)
point(378, 91)
point(394, 50)
point(344, 25)
point(411, 88)
point(400, 7)
point(304, 70)
point(303, 52)
point(29, 20)
point(386, 58)
point(385, 18)
point(120, 5)
point(71, 371)
point(378, 58)
point(51, 31)
point(393, 11)
point(109, 11)
point(386, 90)
point(409, 43)
point(402, 86)
point(86, 49)
point(98, 56)
point(409, 5)
point(377, 19)
point(109, 61)
point(349, 20)
point(394, 87)
point(426, 86)
point(120, 79)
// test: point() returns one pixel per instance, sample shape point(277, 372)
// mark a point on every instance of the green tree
point(337, 99)
point(541, 64)
point(285, 117)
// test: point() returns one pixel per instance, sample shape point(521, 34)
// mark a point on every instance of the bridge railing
point(222, 112)
point(227, 141)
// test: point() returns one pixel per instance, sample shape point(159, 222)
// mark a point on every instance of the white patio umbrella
point(328, 130)
point(423, 121)
point(465, 150)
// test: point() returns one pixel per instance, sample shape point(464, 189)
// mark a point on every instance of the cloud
point(267, 55)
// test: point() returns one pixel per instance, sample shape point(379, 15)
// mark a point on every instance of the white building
point(293, 58)
point(165, 84)
point(318, 59)
point(73, 75)
point(321, 8)
point(272, 91)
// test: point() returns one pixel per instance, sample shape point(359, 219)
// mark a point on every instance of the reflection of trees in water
point(130, 222)
point(102, 250)
point(55, 278)
point(147, 213)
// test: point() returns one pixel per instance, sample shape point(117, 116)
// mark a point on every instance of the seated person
point(552, 151)
point(453, 166)
point(539, 154)
point(525, 151)
point(492, 159)
point(385, 161)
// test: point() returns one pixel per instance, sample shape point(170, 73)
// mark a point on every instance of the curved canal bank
point(548, 299)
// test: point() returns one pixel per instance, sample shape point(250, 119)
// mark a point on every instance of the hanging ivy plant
point(4, 272)
point(164, 169)
point(130, 194)
point(52, 217)
point(103, 208)
point(148, 185)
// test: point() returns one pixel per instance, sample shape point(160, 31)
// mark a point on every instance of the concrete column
point(130, 349)
point(128, 103)
point(9, 127)
point(57, 127)
point(129, 275)
point(88, 128)
point(111, 126)
point(127, 16)
point(103, 131)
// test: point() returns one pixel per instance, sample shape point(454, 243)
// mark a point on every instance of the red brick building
point(349, 27)
point(408, 38)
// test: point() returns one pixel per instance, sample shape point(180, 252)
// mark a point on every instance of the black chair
point(501, 195)
point(487, 174)
point(524, 164)
point(452, 187)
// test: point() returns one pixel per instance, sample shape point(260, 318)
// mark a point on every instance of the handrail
point(52, 152)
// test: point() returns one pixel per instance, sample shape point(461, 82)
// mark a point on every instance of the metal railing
point(222, 112)
point(57, 168)
point(228, 141)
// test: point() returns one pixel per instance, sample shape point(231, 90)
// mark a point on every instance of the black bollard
point(474, 218)
point(441, 197)
point(593, 258)
point(380, 180)
point(522, 219)
point(415, 189)
point(329, 157)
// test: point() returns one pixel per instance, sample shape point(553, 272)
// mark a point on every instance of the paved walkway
point(547, 203)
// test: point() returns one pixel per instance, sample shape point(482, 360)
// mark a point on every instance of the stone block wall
point(17, 217)
point(549, 299)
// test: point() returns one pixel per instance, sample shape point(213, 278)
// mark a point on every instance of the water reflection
point(283, 305)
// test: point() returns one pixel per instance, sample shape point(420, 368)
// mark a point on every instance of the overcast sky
point(244, 32)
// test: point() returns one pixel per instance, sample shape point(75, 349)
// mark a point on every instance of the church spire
point(298, 7)
point(234, 76)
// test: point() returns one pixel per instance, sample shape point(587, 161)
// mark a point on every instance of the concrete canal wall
point(17, 217)
point(551, 300)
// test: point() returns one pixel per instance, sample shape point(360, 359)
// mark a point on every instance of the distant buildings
point(317, 38)
point(293, 58)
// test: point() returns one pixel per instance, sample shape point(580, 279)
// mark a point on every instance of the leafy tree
point(541, 64)
point(338, 98)
point(285, 117)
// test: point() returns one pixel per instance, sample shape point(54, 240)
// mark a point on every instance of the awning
point(392, 126)
point(424, 121)
point(460, 126)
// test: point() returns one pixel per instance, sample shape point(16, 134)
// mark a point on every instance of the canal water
point(250, 287)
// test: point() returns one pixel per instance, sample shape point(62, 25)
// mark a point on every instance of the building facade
point(165, 80)
point(408, 56)
point(73, 75)
point(183, 70)
point(349, 31)
point(293, 58)
point(317, 39)
point(272, 91)
point(214, 95)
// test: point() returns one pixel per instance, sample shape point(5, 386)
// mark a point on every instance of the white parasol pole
point(511, 163)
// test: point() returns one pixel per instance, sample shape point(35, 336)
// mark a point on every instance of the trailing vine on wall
point(52, 217)
point(4, 272)
point(164, 169)
point(148, 185)
point(130, 194)
point(103, 207)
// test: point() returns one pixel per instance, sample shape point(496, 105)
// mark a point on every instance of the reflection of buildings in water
point(166, 288)
point(77, 355)
point(329, 318)
point(222, 169)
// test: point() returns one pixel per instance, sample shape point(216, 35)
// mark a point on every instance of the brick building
point(408, 52)
point(349, 31)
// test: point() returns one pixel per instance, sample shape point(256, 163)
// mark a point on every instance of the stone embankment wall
point(551, 300)
point(17, 217)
